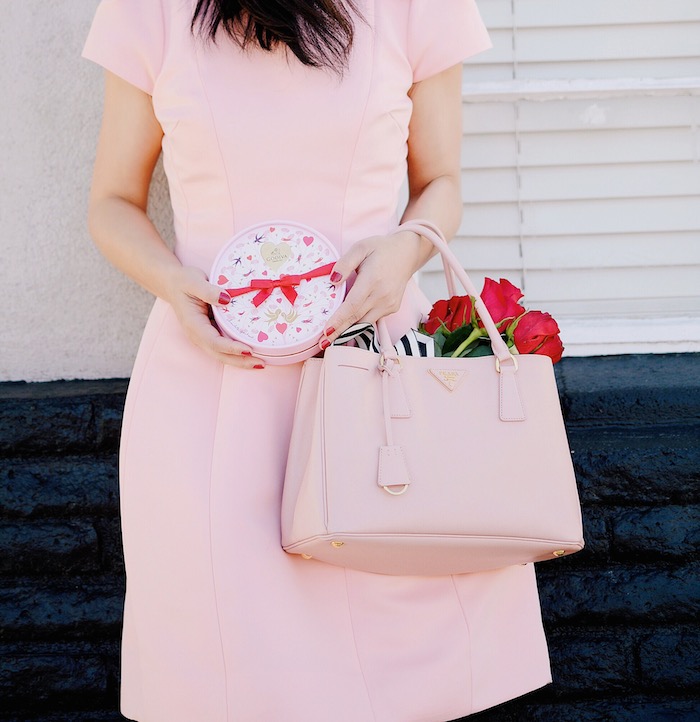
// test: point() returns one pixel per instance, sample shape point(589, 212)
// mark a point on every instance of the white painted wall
point(65, 312)
point(581, 181)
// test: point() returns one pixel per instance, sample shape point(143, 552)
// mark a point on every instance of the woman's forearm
point(441, 202)
point(128, 149)
point(129, 240)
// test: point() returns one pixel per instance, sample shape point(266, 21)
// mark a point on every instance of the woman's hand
point(384, 265)
point(191, 295)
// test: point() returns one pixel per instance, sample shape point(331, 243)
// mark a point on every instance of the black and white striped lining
point(414, 343)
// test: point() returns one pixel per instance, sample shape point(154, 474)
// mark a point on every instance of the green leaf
point(439, 340)
point(453, 341)
point(479, 349)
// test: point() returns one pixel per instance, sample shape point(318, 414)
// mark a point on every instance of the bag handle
point(421, 226)
point(453, 268)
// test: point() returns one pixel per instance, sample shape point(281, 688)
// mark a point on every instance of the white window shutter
point(581, 168)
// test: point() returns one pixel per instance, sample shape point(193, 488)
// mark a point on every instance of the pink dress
point(220, 624)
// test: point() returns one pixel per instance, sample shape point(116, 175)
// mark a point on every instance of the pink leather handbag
point(429, 466)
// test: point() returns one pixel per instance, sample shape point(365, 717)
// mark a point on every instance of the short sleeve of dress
point(126, 37)
point(442, 33)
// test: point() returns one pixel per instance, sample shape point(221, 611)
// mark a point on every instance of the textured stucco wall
point(66, 313)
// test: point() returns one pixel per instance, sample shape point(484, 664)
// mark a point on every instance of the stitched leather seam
point(409, 412)
point(500, 401)
point(570, 543)
point(322, 424)
point(394, 451)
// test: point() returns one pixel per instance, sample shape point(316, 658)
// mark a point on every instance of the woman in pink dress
point(220, 624)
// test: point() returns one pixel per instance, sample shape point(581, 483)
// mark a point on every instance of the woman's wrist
point(420, 251)
point(173, 280)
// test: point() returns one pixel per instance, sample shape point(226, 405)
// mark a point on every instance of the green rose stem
point(476, 333)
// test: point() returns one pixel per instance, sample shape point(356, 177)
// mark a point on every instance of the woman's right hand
point(191, 295)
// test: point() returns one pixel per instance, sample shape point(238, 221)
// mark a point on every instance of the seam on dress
point(178, 181)
point(351, 164)
point(218, 406)
point(124, 440)
point(163, 50)
point(407, 39)
point(211, 547)
point(470, 699)
point(354, 641)
point(218, 141)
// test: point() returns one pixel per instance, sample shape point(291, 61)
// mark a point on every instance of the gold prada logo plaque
point(449, 378)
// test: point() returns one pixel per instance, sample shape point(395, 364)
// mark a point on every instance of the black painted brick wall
point(621, 616)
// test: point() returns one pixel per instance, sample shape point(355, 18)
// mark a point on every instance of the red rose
point(461, 312)
point(552, 347)
point(454, 313)
point(436, 316)
point(537, 332)
point(501, 299)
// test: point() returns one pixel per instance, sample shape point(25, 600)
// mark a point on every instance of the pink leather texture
point(479, 471)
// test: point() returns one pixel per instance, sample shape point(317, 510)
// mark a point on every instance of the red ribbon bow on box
point(265, 286)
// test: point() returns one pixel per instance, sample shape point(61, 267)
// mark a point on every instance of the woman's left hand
point(384, 265)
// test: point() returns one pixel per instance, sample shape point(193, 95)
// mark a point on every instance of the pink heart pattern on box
point(276, 322)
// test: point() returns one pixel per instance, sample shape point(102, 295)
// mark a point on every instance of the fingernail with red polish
point(224, 298)
point(329, 331)
point(258, 366)
point(335, 277)
point(246, 353)
point(325, 343)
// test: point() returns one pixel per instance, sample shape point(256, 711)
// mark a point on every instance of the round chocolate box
point(278, 276)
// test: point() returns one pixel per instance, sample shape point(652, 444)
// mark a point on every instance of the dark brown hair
point(318, 32)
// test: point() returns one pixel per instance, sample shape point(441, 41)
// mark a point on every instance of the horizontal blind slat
point(586, 115)
point(593, 182)
point(581, 293)
point(589, 252)
point(564, 13)
point(611, 113)
point(478, 254)
point(638, 180)
point(608, 146)
point(662, 67)
point(607, 43)
point(610, 284)
point(610, 216)
point(633, 250)
point(487, 220)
